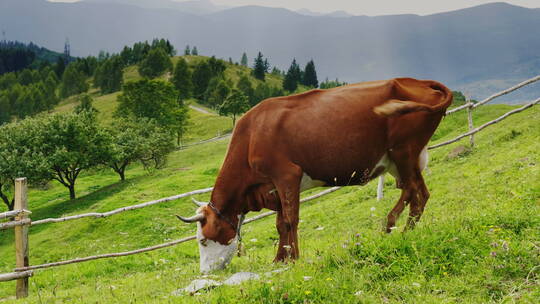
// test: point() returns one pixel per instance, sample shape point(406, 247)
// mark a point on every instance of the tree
point(73, 81)
point(246, 87)
point(310, 75)
point(187, 51)
point(260, 67)
point(235, 104)
point(244, 60)
point(200, 79)
point(19, 158)
point(85, 104)
point(217, 92)
point(217, 66)
point(194, 51)
point(276, 71)
point(5, 108)
point(264, 91)
point(155, 64)
point(293, 76)
point(328, 84)
point(71, 143)
point(109, 76)
point(60, 67)
point(182, 79)
point(155, 99)
point(138, 139)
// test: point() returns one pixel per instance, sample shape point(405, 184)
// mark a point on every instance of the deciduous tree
point(155, 63)
point(235, 104)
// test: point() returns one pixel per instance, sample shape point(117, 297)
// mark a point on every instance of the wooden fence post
point(470, 119)
point(380, 187)
point(21, 235)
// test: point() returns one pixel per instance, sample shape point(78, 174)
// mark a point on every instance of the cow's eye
point(203, 242)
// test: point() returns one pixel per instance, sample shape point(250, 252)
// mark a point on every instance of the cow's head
point(216, 235)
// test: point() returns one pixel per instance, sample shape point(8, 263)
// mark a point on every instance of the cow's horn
point(196, 218)
point(199, 204)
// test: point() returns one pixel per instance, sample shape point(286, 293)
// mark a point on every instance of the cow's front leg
point(288, 188)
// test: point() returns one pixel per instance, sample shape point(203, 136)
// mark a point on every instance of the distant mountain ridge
point(480, 49)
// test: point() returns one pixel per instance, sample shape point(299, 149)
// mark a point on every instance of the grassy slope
point(201, 126)
point(479, 201)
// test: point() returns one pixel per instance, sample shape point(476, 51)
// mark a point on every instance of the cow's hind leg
point(418, 201)
point(413, 189)
point(287, 183)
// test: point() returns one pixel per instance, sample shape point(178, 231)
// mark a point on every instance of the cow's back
point(330, 134)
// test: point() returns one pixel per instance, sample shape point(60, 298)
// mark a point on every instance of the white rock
point(241, 277)
point(196, 285)
point(307, 278)
point(319, 228)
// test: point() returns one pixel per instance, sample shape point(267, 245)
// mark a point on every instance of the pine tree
point(292, 78)
point(194, 51)
point(182, 79)
point(310, 75)
point(244, 60)
point(187, 50)
point(260, 67)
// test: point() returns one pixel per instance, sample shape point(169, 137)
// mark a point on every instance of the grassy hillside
point(201, 126)
point(478, 240)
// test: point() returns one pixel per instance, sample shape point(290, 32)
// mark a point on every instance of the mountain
point(479, 49)
point(197, 7)
point(337, 14)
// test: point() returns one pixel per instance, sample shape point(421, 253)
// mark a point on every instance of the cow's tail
point(395, 107)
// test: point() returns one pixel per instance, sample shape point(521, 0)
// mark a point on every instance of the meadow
point(478, 241)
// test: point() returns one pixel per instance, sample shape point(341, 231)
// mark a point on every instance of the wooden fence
point(21, 222)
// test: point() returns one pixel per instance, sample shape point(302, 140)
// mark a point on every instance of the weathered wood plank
point(13, 213)
point(21, 235)
point(15, 275)
point(119, 210)
point(12, 224)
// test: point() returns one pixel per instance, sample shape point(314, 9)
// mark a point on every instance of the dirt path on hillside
point(201, 110)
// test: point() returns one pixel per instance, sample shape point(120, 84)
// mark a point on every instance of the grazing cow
point(336, 137)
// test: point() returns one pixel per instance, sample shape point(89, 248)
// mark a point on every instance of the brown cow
point(342, 136)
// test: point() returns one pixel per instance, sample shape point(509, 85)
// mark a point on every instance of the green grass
point(478, 240)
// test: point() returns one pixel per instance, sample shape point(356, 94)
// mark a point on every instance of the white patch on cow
point(423, 159)
point(388, 166)
point(307, 183)
point(214, 255)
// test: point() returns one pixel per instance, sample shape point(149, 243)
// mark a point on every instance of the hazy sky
point(369, 7)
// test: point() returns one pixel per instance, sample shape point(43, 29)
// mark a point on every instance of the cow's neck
point(226, 199)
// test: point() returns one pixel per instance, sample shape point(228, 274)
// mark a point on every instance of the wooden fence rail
point(15, 275)
point(13, 213)
point(498, 94)
point(155, 247)
point(120, 210)
point(478, 129)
